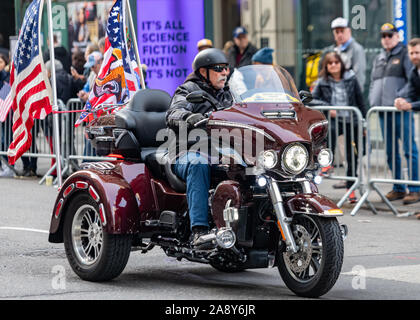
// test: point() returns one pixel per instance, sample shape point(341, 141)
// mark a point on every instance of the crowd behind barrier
point(367, 145)
point(372, 168)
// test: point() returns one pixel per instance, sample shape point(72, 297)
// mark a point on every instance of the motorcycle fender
point(117, 204)
point(313, 204)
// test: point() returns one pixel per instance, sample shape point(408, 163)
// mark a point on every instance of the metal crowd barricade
point(75, 146)
point(346, 122)
point(391, 160)
point(42, 141)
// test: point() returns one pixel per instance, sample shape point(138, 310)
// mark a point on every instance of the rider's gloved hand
point(193, 119)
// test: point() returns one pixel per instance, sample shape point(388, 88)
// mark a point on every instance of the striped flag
point(118, 78)
point(31, 91)
point(5, 101)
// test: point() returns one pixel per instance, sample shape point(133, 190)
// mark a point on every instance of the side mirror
point(196, 97)
point(305, 96)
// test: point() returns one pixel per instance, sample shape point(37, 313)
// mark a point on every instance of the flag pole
point(136, 48)
point(56, 132)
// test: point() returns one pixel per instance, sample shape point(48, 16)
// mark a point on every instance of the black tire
point(331, 259)
point(114, 250)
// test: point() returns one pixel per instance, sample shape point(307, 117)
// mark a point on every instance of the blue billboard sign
point(168, 32)
point(400, 19)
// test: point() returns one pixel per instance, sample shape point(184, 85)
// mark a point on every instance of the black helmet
point(209, 57)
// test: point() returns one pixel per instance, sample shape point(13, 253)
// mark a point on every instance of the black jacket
point(180, 108)
point(324, 91)
point(412, 90)
point(246, 59)
point(67, 87)
point(62, 55)
point(4, 77)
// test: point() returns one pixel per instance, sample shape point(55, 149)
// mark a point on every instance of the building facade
point(296, 29)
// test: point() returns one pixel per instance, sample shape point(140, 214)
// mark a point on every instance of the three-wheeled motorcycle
point(264, 208)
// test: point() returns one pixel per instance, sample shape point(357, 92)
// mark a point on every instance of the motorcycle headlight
point(325, 158)
point(295, 158)
point(269, 159)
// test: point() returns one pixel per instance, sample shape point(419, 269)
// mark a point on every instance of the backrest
point(145, 116)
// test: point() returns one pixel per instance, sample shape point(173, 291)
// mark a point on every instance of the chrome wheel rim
point(304, 265)
point(87, 235)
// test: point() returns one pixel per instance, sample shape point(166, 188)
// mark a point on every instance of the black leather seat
point(145, 116)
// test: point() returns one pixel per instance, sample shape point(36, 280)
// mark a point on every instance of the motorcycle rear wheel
point(313, 271)
point(93, 254)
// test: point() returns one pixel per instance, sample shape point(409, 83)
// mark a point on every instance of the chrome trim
point(105, 139)
point(306, 186)
point(283, 162)
point(316, 124)
point(282, 219)
point(279, 114)
point(240, 125)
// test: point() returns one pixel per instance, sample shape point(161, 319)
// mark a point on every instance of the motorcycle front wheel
point(314, 269)
point(93, 254)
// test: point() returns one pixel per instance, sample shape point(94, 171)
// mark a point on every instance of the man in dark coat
point(390, 74)
point(210, 75)
point(409, 99)
point(410, 96)
point(241, 53)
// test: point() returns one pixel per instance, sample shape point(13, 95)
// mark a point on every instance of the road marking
point(24, 229)
point(408, 273)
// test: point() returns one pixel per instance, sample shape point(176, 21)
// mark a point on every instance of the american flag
point(31, 91)
point(118, 61)
point(5, 101)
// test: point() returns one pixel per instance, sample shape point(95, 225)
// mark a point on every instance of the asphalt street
point(382, 260)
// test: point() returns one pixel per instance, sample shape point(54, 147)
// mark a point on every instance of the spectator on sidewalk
point(390, 72)
point(409, 99)
point(227, 46)
point(4, 73)
point(60, 53)
point(263, 56)
point(101, 45)
point(242, 51)
point(351, 52)
point(204, 44)
point(93, 63)
point(338, 87)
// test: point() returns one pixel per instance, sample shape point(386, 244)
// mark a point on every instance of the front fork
point(283, 222)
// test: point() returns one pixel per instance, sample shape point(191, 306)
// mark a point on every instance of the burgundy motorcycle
point(264, 208)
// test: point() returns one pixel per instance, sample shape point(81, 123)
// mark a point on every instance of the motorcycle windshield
point(263, 84)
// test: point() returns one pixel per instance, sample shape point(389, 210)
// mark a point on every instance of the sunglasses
point(387, 35)
point(219, 68)
point(333, 62)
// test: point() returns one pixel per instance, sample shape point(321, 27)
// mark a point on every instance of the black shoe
point(201, 239)
point(28, 173)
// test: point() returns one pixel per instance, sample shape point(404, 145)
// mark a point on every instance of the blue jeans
point(394, 149)
point(195, 170)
